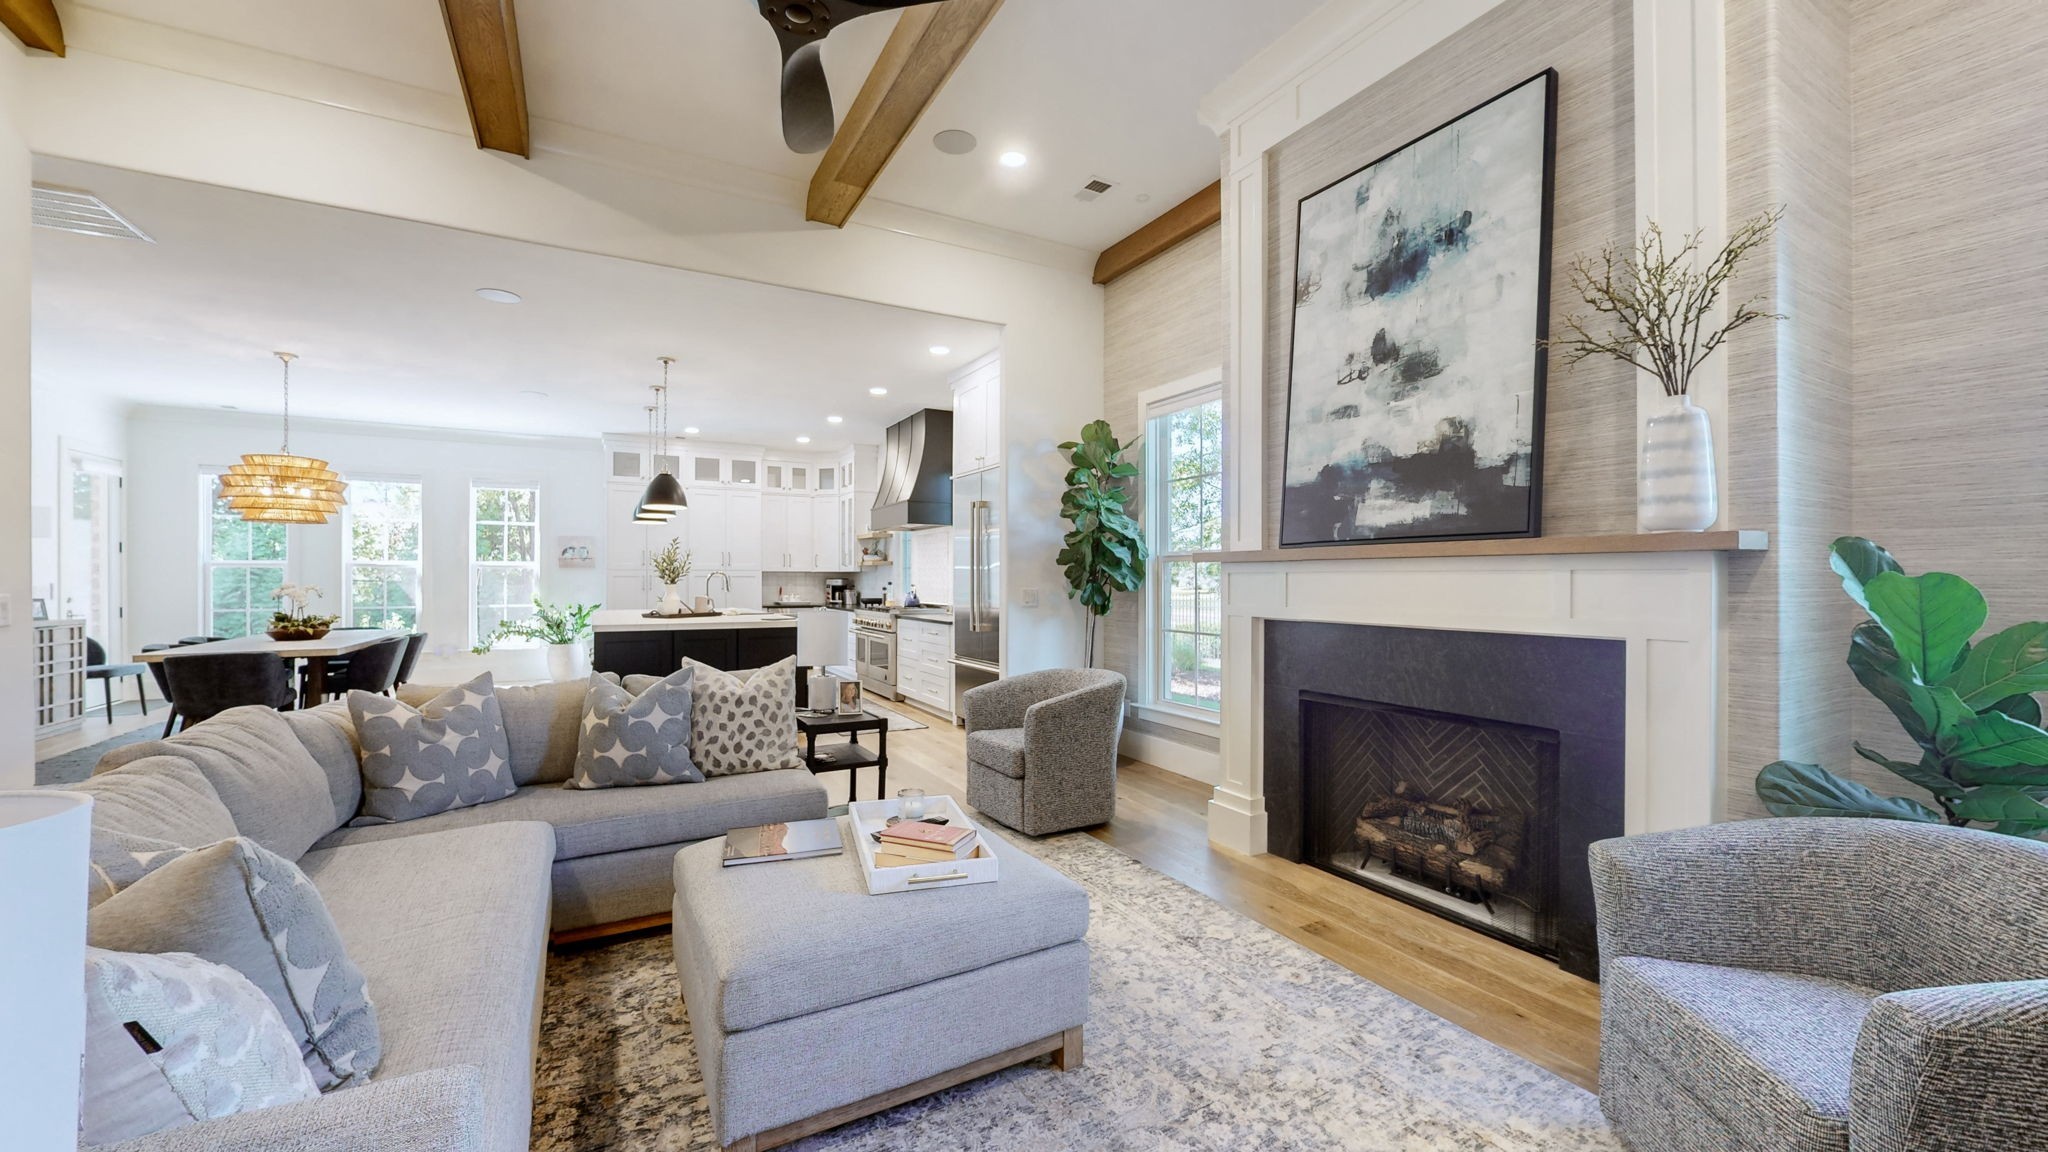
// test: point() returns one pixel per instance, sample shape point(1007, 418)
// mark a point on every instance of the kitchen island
point(627, 642)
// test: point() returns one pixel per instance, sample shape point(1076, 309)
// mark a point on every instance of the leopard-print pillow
point(744, 721)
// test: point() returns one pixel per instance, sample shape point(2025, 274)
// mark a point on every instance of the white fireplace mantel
point(1664, 605)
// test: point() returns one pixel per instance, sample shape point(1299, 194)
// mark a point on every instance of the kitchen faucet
point(728, 588)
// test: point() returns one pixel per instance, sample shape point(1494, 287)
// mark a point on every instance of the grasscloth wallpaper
point(1589, 470)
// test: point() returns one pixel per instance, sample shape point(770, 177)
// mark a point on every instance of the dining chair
point(186, 641)
point(203, 685)
point(163, 683)
point(97, 668)
point(371, 669)
point(413, 644)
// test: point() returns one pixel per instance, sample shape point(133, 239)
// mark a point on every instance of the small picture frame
point(849, 698)
point(576, 552)
point(38, 609)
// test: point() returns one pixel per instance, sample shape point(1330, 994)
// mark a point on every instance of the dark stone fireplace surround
point(1574, 686)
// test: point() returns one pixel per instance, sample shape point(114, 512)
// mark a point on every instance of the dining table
point(316, 653)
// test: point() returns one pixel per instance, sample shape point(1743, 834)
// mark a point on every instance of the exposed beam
point(929, 42)
point(485, 37)
point(34, 23)
point(1175, 225)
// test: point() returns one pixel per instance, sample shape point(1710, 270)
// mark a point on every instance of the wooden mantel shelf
point(1730, 541)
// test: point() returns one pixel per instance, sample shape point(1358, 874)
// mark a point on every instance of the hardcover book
point(799, 840)
point(945, 836)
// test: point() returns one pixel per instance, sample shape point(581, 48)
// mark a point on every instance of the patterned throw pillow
point(221, 1047)
point(627, 739)
point(744, 721)
point(242, 905)
point(451, 752)
point(119, 859)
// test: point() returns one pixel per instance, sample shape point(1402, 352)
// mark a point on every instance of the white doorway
point(91, 562)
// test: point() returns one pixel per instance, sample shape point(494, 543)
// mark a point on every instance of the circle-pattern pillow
point(627, 739)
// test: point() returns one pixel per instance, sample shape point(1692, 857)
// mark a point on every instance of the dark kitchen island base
point(658, 652)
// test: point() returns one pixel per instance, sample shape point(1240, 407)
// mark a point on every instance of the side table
point(850, 755)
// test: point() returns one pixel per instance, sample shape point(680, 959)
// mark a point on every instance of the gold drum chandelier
point(280, 488)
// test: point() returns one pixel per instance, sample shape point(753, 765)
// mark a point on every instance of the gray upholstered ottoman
point(814, 1003)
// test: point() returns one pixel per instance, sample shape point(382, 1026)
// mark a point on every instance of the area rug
point(75, 766)
point(1205, 1031)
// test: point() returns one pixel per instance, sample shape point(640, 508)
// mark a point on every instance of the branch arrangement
point(1658, 303)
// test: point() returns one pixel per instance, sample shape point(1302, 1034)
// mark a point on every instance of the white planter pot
point(672, 600)
point(568, 662)
point(1675, 479)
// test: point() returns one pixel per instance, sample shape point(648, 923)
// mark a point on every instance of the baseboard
point(1174, 756)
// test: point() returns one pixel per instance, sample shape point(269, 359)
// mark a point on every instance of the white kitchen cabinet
point(924, 670)
point(630, 546)
point(978, 418)
point(827, 551)
point(725, 529)
point(634, 591)
point(775, 511)
point(724, 467)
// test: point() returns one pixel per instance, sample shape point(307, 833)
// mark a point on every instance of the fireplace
point(1464, 772)
point(1456, 814)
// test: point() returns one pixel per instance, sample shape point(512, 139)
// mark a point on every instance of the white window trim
point(1153, 403)
point(349, 563)
point(208, 478)
point(469, 541)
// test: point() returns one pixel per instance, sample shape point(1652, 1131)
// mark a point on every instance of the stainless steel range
point(874, 651)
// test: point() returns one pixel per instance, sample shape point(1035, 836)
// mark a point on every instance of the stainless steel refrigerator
point(978, 568)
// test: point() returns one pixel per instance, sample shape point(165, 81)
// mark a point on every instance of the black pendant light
point(664, 493)
point(640, 513)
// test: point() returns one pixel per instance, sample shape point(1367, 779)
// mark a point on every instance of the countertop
point(929, 615)
point(628, 620)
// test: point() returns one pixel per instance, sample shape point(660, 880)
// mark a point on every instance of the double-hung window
point(383, 577)
point(242, 566)
point(504, 562)
point(1184, 515)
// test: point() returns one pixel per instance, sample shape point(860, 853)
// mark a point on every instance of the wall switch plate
point(1029, 597)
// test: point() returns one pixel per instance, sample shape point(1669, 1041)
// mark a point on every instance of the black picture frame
point(1533, 522)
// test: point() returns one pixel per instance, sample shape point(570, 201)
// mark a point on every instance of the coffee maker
point(839, 592)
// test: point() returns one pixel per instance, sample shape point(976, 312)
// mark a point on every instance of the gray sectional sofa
point(447, 916)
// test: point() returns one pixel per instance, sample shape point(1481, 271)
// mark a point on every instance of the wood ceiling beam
point(34, 23)
point(929, 42)
point(1173, 226)
point(485, 37)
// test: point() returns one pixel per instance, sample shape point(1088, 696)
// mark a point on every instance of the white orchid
point(297, 595)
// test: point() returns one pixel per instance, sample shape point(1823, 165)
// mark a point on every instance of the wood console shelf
point(1730, 541)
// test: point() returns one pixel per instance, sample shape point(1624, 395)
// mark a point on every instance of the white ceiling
point(384, 316)
point(1086, 88)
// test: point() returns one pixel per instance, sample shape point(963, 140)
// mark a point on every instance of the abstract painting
point(1415, 392)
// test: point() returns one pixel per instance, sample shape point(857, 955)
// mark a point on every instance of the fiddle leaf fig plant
point(1969, 708)
point(1105, 550)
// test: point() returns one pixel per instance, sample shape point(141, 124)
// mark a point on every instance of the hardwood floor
point(1519, 1001)
point(96, 728)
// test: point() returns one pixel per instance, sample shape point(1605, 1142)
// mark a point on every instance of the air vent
point(1093, 190)
point(68, 210)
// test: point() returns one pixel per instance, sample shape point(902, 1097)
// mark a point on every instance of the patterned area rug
point(1205, 1031)
point(76, 766)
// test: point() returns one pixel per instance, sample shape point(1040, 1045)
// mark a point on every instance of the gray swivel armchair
point(1808, 984)
point(1041, 749)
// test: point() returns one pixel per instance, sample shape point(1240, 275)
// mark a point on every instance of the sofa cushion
point(744, 721)
point(630, 738)
point(1772, 1049)
point(223, 1047)
point(541, 722)
point(329, 735)
point(789, 939)
point(237, 904)
point(450, 752)
point(159, 797)
point(276, 792)
point(455, 952)
point(622, 819)
point(999, 748)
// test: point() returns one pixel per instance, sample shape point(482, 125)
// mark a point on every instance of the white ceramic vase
point(568, 662)
point(1675, 479)
point(672, 600)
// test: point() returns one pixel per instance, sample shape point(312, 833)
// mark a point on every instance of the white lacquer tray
point(869, 816)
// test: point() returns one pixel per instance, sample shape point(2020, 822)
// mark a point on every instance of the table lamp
point(820, 640)
point(43, 843)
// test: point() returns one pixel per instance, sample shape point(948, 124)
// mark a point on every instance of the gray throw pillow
point(239, 904)
point(744, 721)
point(635, 739)
point(450, 752)
point(119, 859)
point(221, 1046)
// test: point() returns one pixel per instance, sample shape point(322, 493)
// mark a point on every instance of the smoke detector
point(1093, 190)
point(69, 210)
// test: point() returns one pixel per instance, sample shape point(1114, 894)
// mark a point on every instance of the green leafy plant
point(1105, 549)
point(549, 624)
point(1969, 708)
point(671, 564)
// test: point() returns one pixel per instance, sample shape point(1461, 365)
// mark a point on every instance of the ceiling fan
point(801, 26)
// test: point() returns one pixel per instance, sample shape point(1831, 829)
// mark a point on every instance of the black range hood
point(917, 473)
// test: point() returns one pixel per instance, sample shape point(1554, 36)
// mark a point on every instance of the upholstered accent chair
point(1041, 749)
point(1823, 984)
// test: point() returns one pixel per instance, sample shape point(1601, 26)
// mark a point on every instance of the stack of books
point(915, 842)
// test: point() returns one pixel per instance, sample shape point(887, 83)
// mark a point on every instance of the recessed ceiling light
point(689, 431)
point(878, 391)
point(1144, 197)
point(835, 419)
point(803, 439)
point(1013, 159)
point(954, 142)
point(498, 295)
point(941, 350)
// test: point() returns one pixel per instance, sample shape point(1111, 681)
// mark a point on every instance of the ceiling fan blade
point(801, 27)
